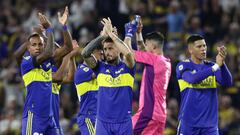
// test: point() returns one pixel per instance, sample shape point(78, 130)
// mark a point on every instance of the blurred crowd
point(217, 20)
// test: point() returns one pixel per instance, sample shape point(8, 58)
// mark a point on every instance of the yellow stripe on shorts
point(29, 123)
point(89, 126)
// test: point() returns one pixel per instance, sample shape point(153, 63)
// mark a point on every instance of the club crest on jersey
point(113, 81)
point(180, 67)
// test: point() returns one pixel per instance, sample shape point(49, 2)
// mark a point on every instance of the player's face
point(36, 46)
point(110, 52)
point(98, 53)
point(198, 50)
point(149, 45)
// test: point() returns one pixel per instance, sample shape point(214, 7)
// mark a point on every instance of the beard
point(111, 61)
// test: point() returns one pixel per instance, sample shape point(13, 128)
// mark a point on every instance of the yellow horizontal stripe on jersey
point(105, 80)
point(37, 74)
point(56, 88)
point(84, 87)
point(209, 82)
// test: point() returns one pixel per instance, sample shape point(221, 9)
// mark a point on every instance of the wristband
point(64, 27)
point(130, 35)
point(215, 67)
point(49, 29)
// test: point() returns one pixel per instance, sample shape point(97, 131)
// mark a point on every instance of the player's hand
point(220, 58)
point(140, 25)
point(44, 21)
point(63, 18)
point(104, 32)
point(129, 29)
point(108, 28)
point(222, 51)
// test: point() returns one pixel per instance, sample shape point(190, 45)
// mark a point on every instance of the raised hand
point(44, 21)
point(103, 32)
point(222, 51)
point(107, 26)
point(130, 29)
point(140, 25)
point(63, 19)
point(220, 58)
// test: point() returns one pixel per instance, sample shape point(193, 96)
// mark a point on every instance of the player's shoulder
point(26, 58)
point(82, 68)
point(186, 63)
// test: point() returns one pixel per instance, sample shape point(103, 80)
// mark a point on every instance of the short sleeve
point(180, 69)
point(144, 57)
point(27, 64)
point(84, 74)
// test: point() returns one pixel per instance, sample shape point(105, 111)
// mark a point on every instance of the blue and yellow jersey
point(198, 88)
point(55, 98)
point(38, 83)
point(87, 90)
point(115, 92)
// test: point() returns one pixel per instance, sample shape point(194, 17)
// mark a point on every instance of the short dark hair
point(33, 35)
point(193, 38)
point(156, 36)
point(108, 39)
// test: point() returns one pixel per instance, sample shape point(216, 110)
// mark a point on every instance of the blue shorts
point(33, 124)
point(183, 129)
point(86, 125)
point(105, 128)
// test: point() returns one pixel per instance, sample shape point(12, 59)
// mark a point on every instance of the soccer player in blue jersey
point(87, 90)
point(198, 79)
point(115, 79)
point(58, 78)
point(57, 75)
point(37, 75)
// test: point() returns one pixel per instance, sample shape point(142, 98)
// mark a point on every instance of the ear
point(190, 49)
point(154, 46)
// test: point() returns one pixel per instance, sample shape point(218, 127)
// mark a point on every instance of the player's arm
point(123, 47)
point(65, 72)
point(40, 30)
point(59, 53)
point(223, 75)
point(18, 54)
point(192, 77)
point(88, 50)
point(48, 51)
point(144, 57)
point(197, 77)
point(70, 74)
point(139, 37)
point(71, 69)
point(130, 30)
